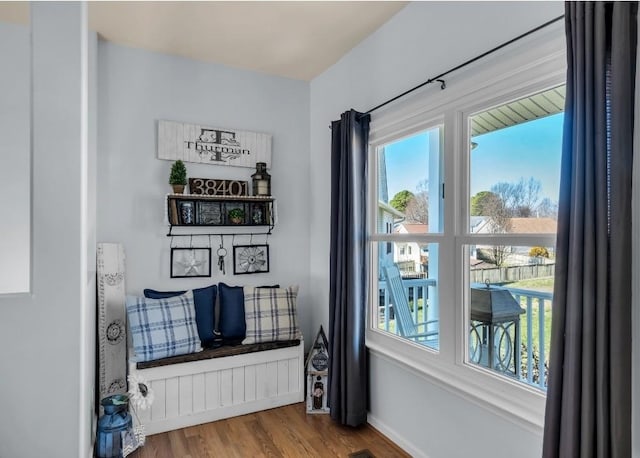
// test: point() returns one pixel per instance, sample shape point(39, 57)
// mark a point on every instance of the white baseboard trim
point(398, 439)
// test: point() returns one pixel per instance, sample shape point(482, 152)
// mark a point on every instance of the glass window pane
point(407, 303)
point(410, 183)
point(509, 321)
point(515, 165)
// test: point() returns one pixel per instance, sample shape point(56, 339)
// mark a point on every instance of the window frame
point(527, 67)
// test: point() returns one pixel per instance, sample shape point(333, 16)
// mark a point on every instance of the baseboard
point(393, 435)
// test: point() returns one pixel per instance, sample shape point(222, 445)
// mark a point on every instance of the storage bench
point(221, 383)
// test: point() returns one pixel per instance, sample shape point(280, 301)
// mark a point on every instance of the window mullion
point(447, 291)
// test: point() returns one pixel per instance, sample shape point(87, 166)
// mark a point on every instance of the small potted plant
point(178, 177)
point(236, 215)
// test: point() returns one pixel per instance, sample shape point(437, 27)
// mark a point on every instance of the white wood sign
point(212, 145)
point(112, 319)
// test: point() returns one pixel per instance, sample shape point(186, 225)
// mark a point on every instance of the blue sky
point(531, 149)
point(407, 163)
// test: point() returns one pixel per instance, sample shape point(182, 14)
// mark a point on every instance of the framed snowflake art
point(250, 259)
point(190, 262)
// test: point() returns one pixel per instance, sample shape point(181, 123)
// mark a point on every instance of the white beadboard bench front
point(205, 390)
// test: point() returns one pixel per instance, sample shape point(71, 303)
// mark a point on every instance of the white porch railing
point(535, 362)
point(417, 291)
point(534, 351)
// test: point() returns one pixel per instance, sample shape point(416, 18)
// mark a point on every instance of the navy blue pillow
point(204, 300)
point(232, 323)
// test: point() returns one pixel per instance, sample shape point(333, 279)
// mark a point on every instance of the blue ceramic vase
point(111, 425)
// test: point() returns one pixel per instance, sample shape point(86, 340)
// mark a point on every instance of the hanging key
point(222, 252)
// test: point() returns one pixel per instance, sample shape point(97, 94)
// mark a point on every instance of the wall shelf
point(229, 212)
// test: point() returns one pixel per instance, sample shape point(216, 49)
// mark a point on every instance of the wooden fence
point(511, 273)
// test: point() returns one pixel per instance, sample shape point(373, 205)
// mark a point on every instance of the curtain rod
point(439, 79)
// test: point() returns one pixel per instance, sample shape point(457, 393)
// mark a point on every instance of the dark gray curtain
point(588, 410)
point(348, 272)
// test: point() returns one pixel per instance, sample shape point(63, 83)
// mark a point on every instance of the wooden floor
point(283, 432)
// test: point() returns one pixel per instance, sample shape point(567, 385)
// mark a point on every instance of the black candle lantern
point(493, 312)
point(261, 180)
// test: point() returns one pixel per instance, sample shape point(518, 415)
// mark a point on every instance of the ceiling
point(294, 39)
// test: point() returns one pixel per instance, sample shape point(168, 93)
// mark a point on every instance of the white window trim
point(530, 65)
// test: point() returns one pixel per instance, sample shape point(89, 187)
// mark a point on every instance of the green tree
point(483, 202)
point(401, 199)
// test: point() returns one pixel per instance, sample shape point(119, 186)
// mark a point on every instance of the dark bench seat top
point(219, 352)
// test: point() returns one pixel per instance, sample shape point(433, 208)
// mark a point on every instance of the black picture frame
point(190, 262)
point(250, 259)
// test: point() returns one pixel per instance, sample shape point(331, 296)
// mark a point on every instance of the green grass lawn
point(544, 284)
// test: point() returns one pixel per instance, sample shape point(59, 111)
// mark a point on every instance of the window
point(468, 182)
point(409, 180)
point(514, 177)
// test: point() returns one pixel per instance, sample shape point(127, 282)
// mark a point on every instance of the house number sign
point(214, 187)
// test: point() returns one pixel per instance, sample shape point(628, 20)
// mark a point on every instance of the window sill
point(511, 400)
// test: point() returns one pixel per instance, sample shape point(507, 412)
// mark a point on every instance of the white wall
point(44, 378)
point(15, 122)
point(422, 40)
point(428, 420)
point(88, 423)
point(138, 88)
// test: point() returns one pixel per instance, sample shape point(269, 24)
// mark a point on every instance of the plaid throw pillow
point(163, 327)
point(270, 314)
